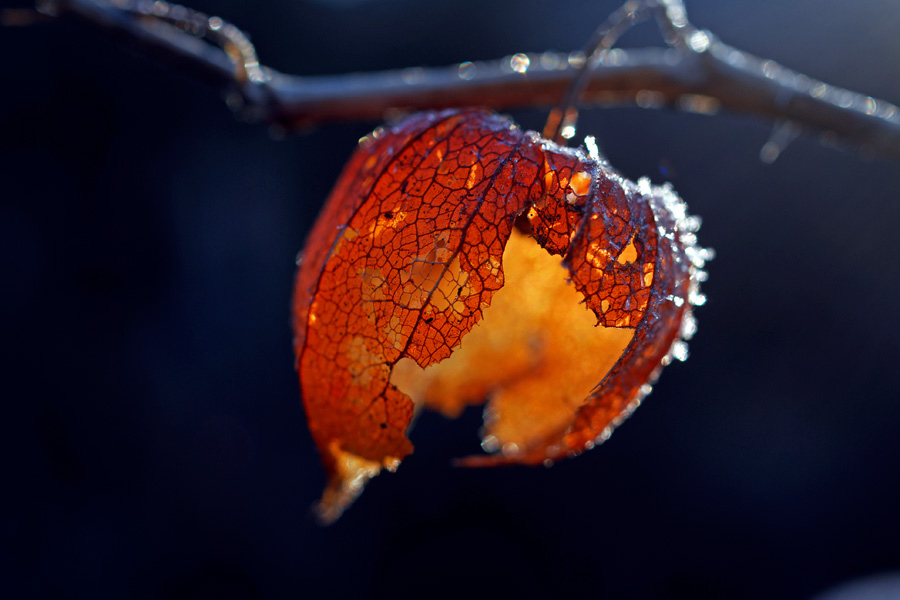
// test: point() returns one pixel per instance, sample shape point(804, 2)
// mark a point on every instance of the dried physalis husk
point(460, 260)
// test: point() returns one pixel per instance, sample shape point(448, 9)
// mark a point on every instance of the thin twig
point(561, 121)
point(698, 73)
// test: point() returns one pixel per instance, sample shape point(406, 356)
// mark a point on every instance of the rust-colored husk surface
point(460, 260)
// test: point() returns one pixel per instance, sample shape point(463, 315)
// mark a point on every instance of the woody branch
point(696, 72)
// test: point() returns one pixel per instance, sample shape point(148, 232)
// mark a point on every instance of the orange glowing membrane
point(460, 260)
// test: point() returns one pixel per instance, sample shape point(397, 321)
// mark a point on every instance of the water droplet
point(688, 326)
point(256, 73)
point(576, 59)
point(699, 41)
point(614, 57)
point(678, 300)
point(818, 90)
point(467, 70)
point(490, 443)
point(551, 60)
point(590, 142)
point(676, 14)
point(783, 133)
point(846, 99)
point(698, 103)
point(649, 99)
point(680, 351)
point(519, 62)
point(769, 153)
point(801, 83)
point(510, 448)
point(412, 75)
point(736, 58)
point(871, 106)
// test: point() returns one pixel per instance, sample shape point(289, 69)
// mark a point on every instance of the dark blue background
point(155, 443)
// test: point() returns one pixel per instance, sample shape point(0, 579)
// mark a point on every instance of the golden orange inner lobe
point(536, 354)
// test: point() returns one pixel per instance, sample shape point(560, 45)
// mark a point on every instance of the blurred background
point(155, 444)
